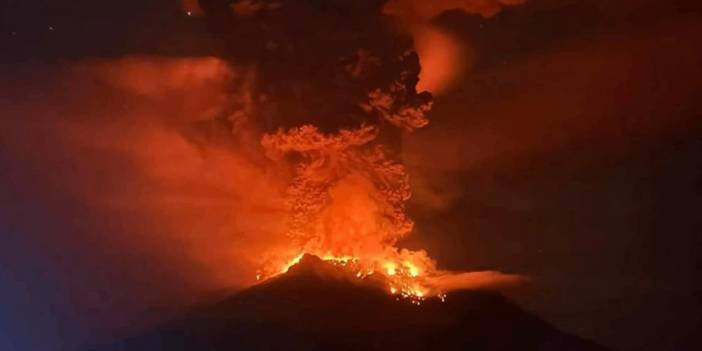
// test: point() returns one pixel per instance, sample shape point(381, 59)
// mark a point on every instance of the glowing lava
point(346, 205)
point(403, 278)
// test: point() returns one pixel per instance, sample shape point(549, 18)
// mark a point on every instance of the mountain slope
point(316, 306)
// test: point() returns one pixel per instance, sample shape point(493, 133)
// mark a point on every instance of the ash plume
point(325, 63)
point(335, 86)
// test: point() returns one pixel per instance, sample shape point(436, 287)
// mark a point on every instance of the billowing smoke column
point(335, 85)
point(318, 61)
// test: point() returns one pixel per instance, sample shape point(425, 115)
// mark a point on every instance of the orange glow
point(133, 150)
point(346, 205)
point(344, 201)
point(444, 59)
point(412, 270)
point(292, 262)
point(390, 268)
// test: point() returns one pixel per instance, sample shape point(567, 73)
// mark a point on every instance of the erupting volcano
point(332, 116)
point(350, 175)
point(347, 200)
point(327, 104)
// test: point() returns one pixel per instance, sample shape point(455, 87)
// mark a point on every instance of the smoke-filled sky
point(564, 145)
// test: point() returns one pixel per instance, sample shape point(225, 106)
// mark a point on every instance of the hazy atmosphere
point(156, 155)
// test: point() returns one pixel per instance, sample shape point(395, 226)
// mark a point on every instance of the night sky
point(570, 151)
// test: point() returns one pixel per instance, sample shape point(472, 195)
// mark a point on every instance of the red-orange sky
point(563, 145)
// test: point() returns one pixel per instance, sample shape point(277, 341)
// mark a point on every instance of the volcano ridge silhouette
point(319, 306)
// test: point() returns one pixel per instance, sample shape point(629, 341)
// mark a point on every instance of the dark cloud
point(569, 151)
point(316, 61)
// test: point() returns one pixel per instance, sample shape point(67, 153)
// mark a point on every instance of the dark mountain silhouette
point(317, 306)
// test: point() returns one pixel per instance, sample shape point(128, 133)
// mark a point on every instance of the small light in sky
point(51, 27)
point(190, 13)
